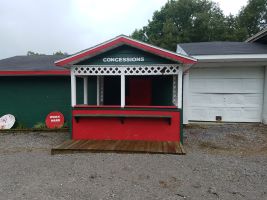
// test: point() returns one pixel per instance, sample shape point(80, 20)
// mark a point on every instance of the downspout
point(264, 107)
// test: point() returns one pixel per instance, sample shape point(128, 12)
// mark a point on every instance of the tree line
point(181, 21)
point(57, 53)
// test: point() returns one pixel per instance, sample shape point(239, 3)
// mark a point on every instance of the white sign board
point(7, 121)
point(124, 59)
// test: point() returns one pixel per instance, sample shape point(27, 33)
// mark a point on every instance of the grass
point(39, 125)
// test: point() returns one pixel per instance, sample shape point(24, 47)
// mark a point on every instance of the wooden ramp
point(126, 146)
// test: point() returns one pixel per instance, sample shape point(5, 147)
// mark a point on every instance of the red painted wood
point(173, 107)
point(147, 129)
point(54, 120)
point(120, 41)
point(93, 106)
point(140, 92)
point(49, 72)
point(128, 106)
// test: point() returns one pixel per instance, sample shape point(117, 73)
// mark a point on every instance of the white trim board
point(230, 57)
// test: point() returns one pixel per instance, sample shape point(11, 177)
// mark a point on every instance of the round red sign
point(54, 120)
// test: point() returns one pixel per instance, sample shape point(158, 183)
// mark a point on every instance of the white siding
point(235, 93)
point(264, 116)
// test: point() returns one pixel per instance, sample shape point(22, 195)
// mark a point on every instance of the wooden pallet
point(72, 146)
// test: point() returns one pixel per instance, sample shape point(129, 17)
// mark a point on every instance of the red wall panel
point(115, 128)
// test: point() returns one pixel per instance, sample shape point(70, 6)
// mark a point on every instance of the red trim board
point(50, 72)
point(120, 40)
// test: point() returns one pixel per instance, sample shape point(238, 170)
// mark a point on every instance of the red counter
point(130, 123)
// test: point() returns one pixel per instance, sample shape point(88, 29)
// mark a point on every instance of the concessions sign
point(54, 120)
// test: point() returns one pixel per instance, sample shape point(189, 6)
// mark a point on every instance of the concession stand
point(138, 91)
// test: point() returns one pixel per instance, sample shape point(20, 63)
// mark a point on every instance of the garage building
point(227, 84)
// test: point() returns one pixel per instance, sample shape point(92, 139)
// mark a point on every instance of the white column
point(264, 110)
point(180, 87)
point(73, 88)
point(98, 90)
point(186, 93)
point(85, 90)
point(122, 90)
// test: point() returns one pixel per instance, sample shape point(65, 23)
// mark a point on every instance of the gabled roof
point(123, 40)
point(260, 37)
point(32, 65)
point(222, 48)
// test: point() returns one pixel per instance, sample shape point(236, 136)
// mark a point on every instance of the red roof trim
point(50, 72)
point(124, 40)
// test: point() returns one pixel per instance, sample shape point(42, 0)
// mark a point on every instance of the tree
point(31, 53)
point(60, 53)
point(184, 21)
point(181, 21)
point(252, 18)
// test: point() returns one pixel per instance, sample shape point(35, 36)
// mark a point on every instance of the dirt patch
point(237, 138)
point(232, 139)
point(210, 145)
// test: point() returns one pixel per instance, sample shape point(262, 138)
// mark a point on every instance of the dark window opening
point(112, 90)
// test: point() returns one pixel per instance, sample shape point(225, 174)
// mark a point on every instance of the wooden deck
point(72, 146)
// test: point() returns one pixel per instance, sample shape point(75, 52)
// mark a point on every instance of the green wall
point(31, 98)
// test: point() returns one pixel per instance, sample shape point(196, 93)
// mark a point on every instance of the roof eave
point(35, 73)
point(121, 40)
point(257, 36)
point(231, 58)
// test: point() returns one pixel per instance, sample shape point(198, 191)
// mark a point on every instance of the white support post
point(186, 93)
point(180, 88)
point(98, 90)
point(122, 90)
point(73, 88)
point(85, 90)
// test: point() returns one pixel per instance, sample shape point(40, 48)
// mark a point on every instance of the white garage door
point(234, 93)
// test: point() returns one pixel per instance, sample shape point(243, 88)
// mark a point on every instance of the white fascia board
point(225, 58)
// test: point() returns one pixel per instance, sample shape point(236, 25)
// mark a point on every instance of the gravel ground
point(222, 162)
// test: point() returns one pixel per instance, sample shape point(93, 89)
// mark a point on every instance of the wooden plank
point(119, 146)
point(71, 145)
point(65, 144)
point(79, 144)
point(120, 116)
point(164, 146)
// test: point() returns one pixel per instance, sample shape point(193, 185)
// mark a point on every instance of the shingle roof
point(260, 37)
point(31, 63)
point(222, 48)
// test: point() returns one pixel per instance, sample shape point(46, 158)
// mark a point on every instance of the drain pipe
point(264, 107)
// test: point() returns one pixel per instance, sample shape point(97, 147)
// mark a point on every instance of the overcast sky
point(47, 26)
